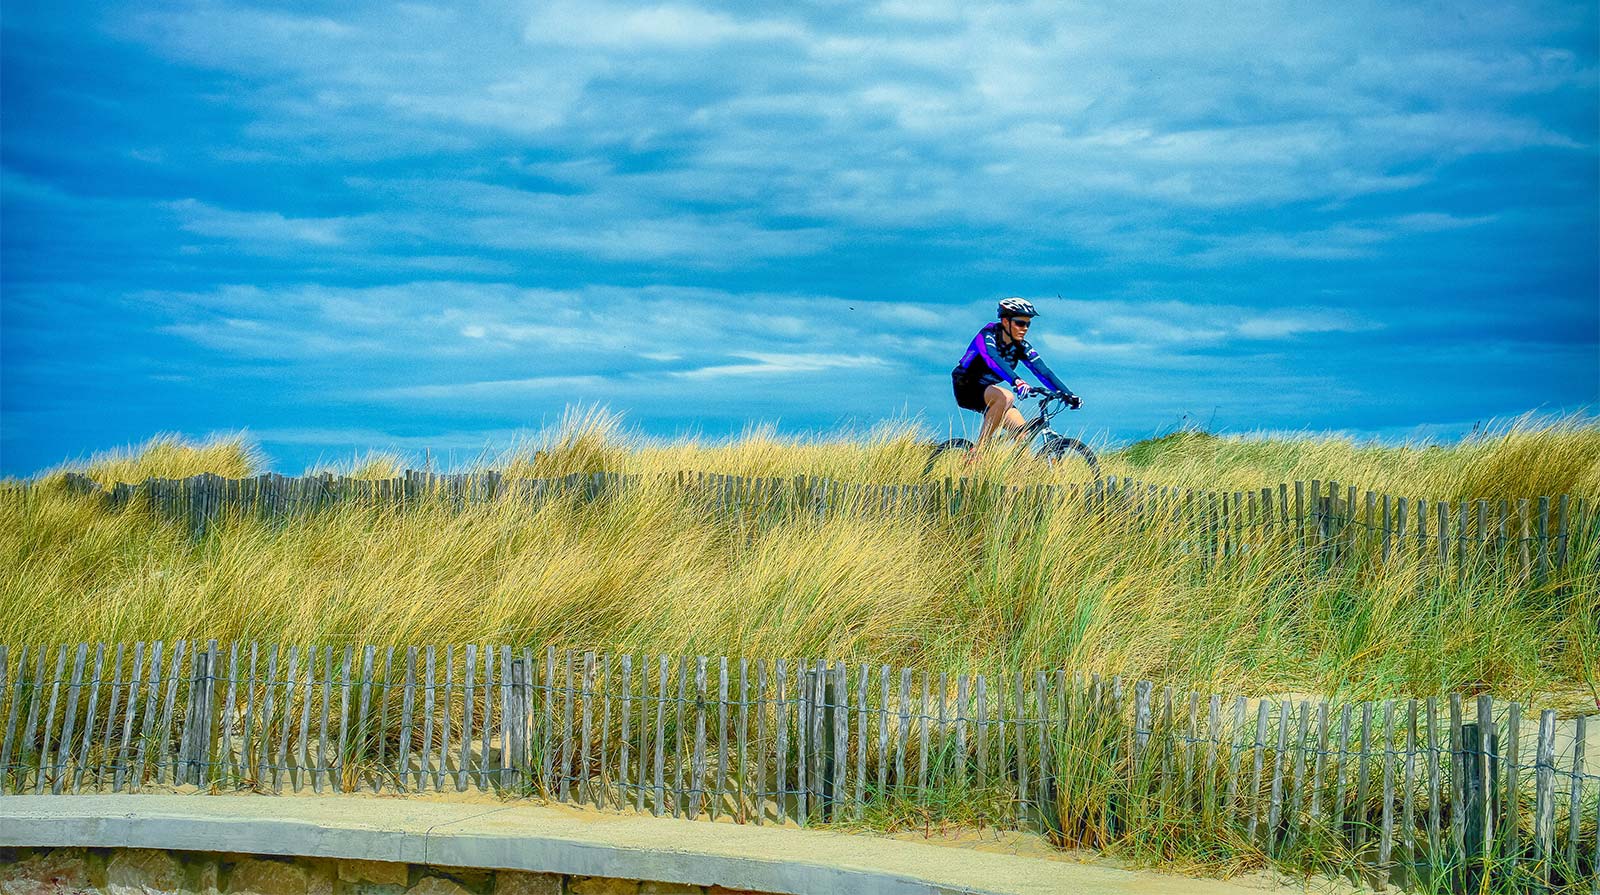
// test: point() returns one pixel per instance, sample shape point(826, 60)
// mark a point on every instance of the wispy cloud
point(454, 218)
point(262, 230)
point(543, 386)
point(780, 365)
point(663, 26)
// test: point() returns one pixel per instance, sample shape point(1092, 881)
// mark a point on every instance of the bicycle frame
point(1040, 423)
point(1054, 446)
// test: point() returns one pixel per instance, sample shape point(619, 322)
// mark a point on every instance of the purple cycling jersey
point(987, 355)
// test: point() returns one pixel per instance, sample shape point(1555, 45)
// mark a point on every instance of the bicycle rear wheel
point(1059, 449)
point(943, 451)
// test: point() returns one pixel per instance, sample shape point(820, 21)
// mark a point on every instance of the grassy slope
point(653, 573)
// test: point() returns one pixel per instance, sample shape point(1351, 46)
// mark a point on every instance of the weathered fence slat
point(149, 729)
point(680, 748)
point(861, 740)
point(808, 733)
point(1257, 814)
point(781, 733)
point(486, 728)
point(1433, 777)
point(82, 764)
point(1314, 809)
point(302, 748)
point(762, 703)
point(320, 774)
point(722, 737)
point(695, 792)
point(1575, 796)
point(1236, 752)
point(644, 737)
point(124, 744)
point(1484, 775)
point(1142, 726)
point(280, 761)
point(624, 765)
point(1457, 777)
point(1295, 808)
point(225, 765)
point(1362, 814)
point(660, 736)
point(1386, 830)
point(1043, 796)
point(586, 726)
point(981, 695)
point(261, 759)
point(469, 684)
point(1020, 700)
point(1513, 799)
point(408, 707)
point(528, 725)
point(43, 760)
point(111, 716)
point(247, 734)
point(547, 720)
point(1275, 809)
point(602, 789)
point(749, 796)
point(1408, 806)
point(1545, 796)
point(902, 730)
point(841, 737)
point(363, 722)
point(68, 722)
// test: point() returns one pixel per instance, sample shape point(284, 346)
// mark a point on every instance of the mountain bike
point(1048, 445)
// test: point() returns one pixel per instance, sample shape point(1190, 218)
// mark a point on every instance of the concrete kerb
point(541, 839)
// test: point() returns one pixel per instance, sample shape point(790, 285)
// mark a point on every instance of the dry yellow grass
point(652, 571)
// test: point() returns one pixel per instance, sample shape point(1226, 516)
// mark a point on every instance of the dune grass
point(652, 571)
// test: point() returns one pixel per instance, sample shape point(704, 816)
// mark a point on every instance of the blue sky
point(434, 226)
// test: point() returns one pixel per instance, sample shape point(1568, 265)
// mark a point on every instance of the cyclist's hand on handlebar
point(1074, 402)
point(1023, 389)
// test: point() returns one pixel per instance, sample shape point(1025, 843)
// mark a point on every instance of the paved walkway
point(551, 840)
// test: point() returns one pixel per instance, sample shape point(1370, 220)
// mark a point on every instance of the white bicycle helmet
point(1017, 307)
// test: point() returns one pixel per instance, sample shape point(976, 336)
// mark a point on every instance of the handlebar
point(1046, 395)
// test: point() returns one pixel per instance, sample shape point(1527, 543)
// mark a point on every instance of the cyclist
point(986, 380)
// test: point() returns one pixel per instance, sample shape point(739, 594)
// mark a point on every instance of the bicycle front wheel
point(1059, 449)
point(940, 455)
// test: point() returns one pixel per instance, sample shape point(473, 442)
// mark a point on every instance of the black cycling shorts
point(969, 391)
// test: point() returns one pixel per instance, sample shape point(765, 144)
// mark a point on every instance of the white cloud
point(264, 230)
point(780, 365)
point(907, 114)
point(1435, 222)
point(483, 348)
point(559, 387)
point(1162, 333)
point(663, 26)
point(1295, 323)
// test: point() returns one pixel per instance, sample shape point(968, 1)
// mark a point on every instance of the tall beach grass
point(653, 571)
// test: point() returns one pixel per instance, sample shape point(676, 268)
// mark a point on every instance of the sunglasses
point(1022, 322)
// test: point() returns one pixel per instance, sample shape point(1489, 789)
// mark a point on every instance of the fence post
point(1545, 796)
point(1474, 794)
point(517, 723)
point(829, 701)
point(1142, 720)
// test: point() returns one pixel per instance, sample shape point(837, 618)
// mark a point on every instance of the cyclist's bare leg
point(1002, 404)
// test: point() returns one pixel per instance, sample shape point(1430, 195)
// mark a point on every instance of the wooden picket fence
point(1334, 524)
point(1415, 790)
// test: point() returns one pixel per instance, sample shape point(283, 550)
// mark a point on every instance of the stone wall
point(137, 871)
